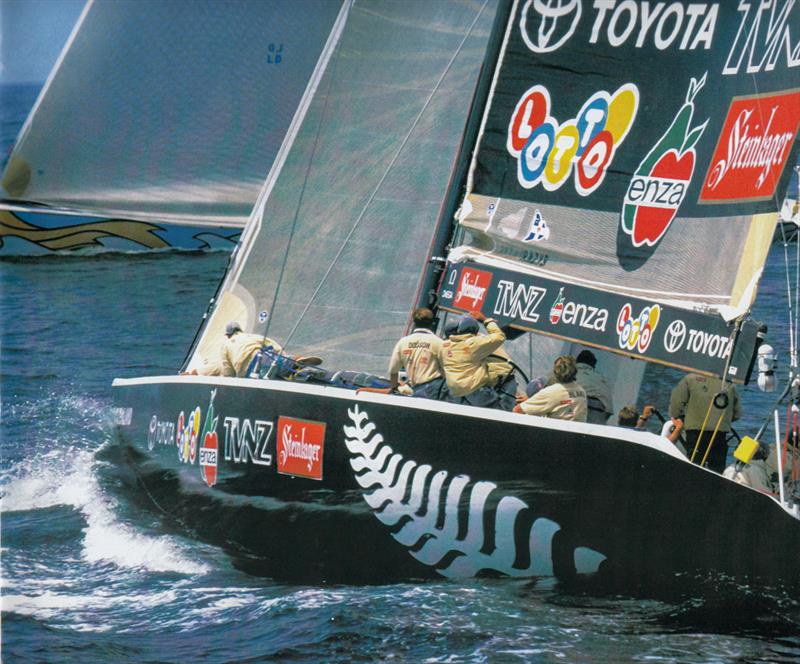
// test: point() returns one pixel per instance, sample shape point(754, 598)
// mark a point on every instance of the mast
point(446, 227)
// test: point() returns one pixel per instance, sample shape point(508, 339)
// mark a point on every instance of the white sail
point(354, 207)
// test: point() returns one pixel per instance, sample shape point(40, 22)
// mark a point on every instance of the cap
point(586, 357)
point(232, 328)
point(468, 325)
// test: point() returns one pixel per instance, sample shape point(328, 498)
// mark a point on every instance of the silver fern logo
point(432, 537)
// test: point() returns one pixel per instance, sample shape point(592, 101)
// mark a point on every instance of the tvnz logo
point(662, 179)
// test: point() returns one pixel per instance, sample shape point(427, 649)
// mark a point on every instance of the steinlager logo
point(662, 179)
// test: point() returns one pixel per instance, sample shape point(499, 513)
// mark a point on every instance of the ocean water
point(92, 573)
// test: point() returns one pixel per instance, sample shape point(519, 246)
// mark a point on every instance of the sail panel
point(639, 148)
point(169, 111)
point(355, 206)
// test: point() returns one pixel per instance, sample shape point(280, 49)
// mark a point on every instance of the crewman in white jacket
point(564, 400)
point(237, 352)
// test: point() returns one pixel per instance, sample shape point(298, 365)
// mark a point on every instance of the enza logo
point(300, 447)
point(472, 289)
point(753, 148)
point(662, 179)
point(547, 25)
point(546, 150)
point(636, 333)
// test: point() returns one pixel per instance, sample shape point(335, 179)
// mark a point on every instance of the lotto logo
point(547, 150)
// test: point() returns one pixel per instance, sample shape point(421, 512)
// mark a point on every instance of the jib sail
point(625, 186)
point(167, 111)
point(353, 207)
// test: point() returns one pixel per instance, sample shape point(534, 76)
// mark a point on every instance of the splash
point(56, 473)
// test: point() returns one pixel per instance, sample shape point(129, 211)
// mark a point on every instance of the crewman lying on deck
point(238, 353)
point(418, 354)
point(564, 400)
point(476, 367)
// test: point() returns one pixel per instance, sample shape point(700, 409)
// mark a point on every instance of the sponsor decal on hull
point(752, 148)
point(300, 446)
point(209, 448)
point(444, 521)
point(547, 150)
point(662, 179)
point(186, 438)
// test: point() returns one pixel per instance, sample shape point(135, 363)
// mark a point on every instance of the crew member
point(418, 354)
point(707, 423)
point(598, 393)
point(564, 400)
point(475, 365)
point(238, 353)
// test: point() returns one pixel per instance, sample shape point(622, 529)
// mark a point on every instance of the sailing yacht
point(158, 124)
point(602, 174)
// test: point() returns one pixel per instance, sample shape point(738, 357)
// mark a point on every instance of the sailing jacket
point(237, 353)
point(418, 353)
point(561, 401)
point(690, 400)
point(466, 362)
point(598, 393)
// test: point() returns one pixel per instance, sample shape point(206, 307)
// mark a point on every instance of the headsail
point(169, 111)
point(353, 209)
point(625, 187)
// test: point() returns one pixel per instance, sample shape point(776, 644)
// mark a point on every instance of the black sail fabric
point(627, 179)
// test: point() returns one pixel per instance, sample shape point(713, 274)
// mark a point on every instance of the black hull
point(320, 484)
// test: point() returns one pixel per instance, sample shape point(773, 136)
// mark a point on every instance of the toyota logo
point(674, 336)
point(550, 23)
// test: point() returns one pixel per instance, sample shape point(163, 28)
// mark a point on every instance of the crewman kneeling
point(476, 368)
point(564, 400)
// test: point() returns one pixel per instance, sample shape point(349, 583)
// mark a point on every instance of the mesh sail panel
point(344, 233)
point(169, 111)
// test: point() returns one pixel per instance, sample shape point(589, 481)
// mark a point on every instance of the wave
point(60, 469)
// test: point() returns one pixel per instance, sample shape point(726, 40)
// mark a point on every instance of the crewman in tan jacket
point(476, 367)
point(237, 352)
point(564, 400)
point(418, 354)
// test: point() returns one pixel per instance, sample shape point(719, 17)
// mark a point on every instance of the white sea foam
point(57, 473)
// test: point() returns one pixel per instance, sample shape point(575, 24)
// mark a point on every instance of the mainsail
point(353, 207)
point(626, 183)
point(167, 111)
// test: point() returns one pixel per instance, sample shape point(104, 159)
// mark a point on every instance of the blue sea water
point(91, 573)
